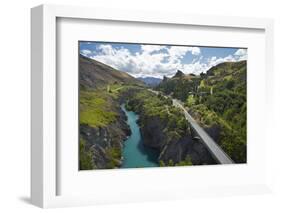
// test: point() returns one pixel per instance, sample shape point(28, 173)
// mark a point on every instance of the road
point(219, 155)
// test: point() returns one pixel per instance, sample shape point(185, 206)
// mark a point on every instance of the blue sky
point(158, 60)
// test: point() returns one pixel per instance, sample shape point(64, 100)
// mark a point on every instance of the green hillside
point(217, 100)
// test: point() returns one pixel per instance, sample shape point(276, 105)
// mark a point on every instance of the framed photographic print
point(137, 106)
point(170, 106)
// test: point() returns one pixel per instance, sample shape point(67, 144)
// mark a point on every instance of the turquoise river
point(135, 154)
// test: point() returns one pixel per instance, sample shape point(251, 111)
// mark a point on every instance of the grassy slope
point(96, 108)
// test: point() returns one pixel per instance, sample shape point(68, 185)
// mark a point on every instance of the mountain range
point(150, 81)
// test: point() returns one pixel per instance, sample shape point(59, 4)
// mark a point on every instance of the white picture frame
point(44, 155)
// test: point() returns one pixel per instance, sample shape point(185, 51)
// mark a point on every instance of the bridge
point(218, 154)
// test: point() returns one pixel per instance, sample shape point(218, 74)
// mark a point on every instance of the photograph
point(161, 105)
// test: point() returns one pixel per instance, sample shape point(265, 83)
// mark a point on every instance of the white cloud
point(146, 62)
point(159, 60)
point(241, 54)
point(86, 52)
point(178, 52)
point(152, 48)
point(195, 50)
point(106, 49)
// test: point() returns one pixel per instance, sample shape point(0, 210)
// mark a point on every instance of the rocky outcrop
point(152, 132)
point(178, 150)
point(165, 79)
point(179, 74)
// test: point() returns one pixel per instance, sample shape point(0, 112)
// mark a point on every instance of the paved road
point(215, 150)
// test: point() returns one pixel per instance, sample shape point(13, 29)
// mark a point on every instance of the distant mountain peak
point(179, 74)
point(165, 78)
point(150, 81)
